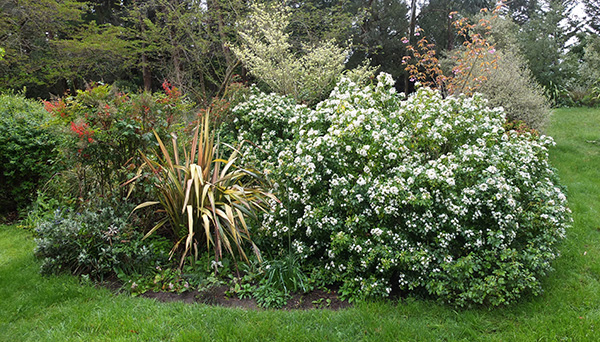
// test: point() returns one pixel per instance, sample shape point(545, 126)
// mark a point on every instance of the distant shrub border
point(382, 195)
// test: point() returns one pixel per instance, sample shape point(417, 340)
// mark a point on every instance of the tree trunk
point(176, 50)
point(226, 51)
point(450, 46)
point(146, 73)
point(411, 34)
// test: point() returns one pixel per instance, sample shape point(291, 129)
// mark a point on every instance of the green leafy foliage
point(488, 62)
point(543, 38)
point(590, 66)
point(28, 31)
point(592, 9)
point(43, 209)
point(267, 52)
point(285, 274)
point(106, 128)
point(511, 86)
point(272, 282)
point(28, 141)
point(96, 243)
point(582, 90)
point(94, 52)
point(270, 297)
point(160, 280)
point(435, 17)
point(185, 43)
point(375, 35)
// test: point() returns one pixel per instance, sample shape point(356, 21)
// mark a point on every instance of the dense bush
point(512, 87)
point(428, 194)
point(96, 243)
point(105, 130)
point(28, 141)
point(263, 118)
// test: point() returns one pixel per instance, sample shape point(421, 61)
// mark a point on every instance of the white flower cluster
point(379, 192)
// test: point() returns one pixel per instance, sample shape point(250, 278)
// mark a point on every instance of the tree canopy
point(53, 46)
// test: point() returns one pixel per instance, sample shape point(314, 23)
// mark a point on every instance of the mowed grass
point(36, 308)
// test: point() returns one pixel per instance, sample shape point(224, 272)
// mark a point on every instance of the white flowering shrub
point(264, 120)
point(381, 194)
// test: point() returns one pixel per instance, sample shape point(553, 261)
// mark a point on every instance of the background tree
point(543, 39)
point(184, 42)
point(590, 66)
point(436, 21)
point(267, 52)
point(96, 53)
point(511, 84)
point(55, 45)
point(108, 11)
point(378, 36)
point(583, 88)
point(314, 21)
point(521, 11)
point(592, 10)
point(28, 31)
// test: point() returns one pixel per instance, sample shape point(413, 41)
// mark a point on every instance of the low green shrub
point(28, 142)
point(270, 297)
point(582, 95)
point(272, 282)
point(43, 209)
point(158, 280)
point(96, 243)
point(285, 274)
point(384, 195)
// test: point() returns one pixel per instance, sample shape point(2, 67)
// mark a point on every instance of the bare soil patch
point(218, 295)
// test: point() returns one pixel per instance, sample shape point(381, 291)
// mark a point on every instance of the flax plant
point(205, 199)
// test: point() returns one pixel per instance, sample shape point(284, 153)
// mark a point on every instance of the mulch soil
point(219, 296)
point(317, 299)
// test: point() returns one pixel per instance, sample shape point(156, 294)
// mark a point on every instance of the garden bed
point(60, 308)
point(219, 295)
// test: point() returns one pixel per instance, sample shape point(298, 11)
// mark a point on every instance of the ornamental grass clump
point(392, 195)
point(205, 199)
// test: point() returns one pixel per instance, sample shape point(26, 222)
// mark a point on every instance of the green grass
point(34, 308)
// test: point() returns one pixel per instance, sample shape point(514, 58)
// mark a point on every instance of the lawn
point(35, 308)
